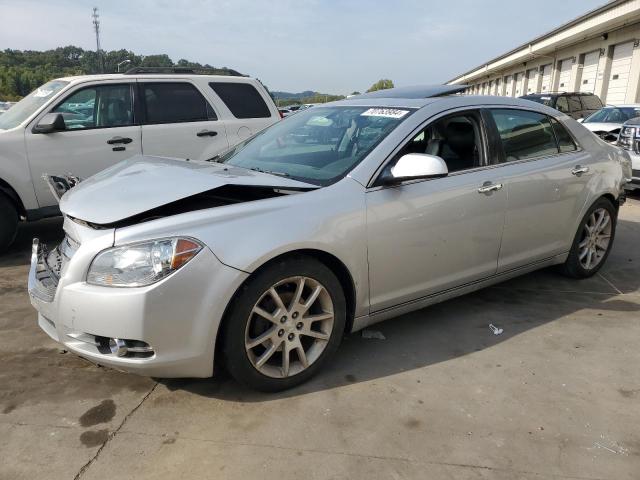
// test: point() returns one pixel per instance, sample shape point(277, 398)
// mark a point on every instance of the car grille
point(50, 267)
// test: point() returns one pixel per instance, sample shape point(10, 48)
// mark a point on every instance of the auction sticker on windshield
point(385, 112)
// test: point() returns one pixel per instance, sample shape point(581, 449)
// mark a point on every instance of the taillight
point(281, 114)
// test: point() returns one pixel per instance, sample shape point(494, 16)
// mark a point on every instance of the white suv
point(81, 125)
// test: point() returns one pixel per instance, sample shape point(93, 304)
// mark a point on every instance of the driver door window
point(102, 106)
point(457, 139)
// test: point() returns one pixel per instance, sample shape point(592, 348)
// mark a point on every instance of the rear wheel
point(8, 222)
point(593, 241)
point(284, 324)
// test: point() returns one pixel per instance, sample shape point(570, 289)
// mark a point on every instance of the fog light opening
point(118, 347)
point(123, 347)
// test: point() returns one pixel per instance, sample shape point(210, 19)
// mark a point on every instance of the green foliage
point(382, 84)
point(314, 97)
point(23, 71)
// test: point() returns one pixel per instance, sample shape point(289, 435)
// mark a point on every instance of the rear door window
point(562, 104)
point(242, 99)
point(574, 104)
point(179, 102)
point(524, 134)
point(565, 141)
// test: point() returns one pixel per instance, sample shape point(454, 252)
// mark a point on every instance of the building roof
point(613, 15)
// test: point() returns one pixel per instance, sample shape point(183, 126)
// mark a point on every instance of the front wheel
point(593, 241)
point(284, 324)
point(8, 223)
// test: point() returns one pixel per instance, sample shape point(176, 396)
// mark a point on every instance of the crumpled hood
point(602, 127)
point(143, 183)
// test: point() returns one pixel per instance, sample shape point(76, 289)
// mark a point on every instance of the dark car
point(576, 105)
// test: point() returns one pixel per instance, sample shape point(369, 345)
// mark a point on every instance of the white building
point(597, 53)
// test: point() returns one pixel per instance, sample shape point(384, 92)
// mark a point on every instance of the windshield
point(613, 115)
point(319, 145)
point(29, 104)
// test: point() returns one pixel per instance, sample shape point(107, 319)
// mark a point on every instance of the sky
point(329, 46)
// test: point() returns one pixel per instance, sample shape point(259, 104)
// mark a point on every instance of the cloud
point(327, 45)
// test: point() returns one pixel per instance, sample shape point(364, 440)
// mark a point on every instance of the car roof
point(626, 105)
point(455, 100)
point(559, 94)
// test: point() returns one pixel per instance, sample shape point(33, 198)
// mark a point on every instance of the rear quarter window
point(242, 99)
point(591, 102)
point(565, 141)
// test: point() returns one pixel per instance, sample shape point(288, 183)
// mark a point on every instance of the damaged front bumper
point(167, 329)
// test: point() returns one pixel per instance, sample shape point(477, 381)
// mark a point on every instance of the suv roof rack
point(184, 71)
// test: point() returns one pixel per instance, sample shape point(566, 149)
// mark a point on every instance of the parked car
point(396, 200)
point(629, 139)
point(607, 122)
point(575, 104)
point(84, 124)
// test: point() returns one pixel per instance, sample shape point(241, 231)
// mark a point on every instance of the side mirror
point(580, 120)
point(416, 166)
point(51, 122)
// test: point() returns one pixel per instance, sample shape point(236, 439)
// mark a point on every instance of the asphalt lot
point(556, 396)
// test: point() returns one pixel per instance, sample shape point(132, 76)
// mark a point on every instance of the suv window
point(565, 141)
point(242, 99)
point(591, 102)
point(524, 134)
point(562, 104)
point(178, 102)
point(457, 139)
point(101, 106)
point(574, 104)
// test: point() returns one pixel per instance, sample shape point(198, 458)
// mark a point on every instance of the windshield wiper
point(279, 174)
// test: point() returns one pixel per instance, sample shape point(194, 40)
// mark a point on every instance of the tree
point(382, 84)
point(355, 93)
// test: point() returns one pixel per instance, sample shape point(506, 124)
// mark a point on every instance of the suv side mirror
point(414, 166)
point(51, 122)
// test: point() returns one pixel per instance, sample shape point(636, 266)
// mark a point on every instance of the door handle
point(115, 140)
point(206, 133)
point(488, 188)
point(579, 170)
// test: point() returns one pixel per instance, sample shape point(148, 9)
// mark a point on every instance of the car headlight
point(628, 136)
point(141, 264)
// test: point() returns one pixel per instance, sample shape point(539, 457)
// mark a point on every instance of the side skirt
point(364, 321)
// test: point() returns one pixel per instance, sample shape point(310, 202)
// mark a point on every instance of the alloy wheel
point(289, 327)
point(596, 237)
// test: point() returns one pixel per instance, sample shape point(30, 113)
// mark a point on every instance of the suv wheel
point(284, 324)
point(8, 222)
point(593, 241)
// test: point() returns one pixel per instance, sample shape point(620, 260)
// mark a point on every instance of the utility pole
point(96, 27)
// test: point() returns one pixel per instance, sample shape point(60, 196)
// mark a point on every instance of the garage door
point(532, 80)
point(590, 72)
point(546, 79)
point(519, 84)
point(564, 79)
point(498, 90)
point(508, 87)
point(620, 69)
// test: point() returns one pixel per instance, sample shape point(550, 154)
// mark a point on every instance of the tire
point(576, 265)
point(8, 222)
point(279, 324)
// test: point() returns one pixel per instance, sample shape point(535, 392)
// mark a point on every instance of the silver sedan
point(340, 216)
